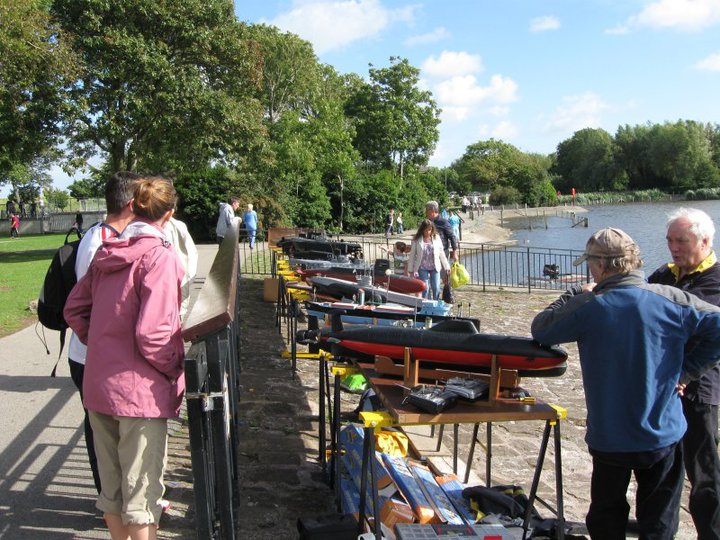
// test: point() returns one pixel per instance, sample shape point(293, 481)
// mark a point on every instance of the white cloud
point(332, 25)
point(439, 34)
point(577, 112)
point(452, 64)
point(687, 15)
point(543, 24)
point(709, 63)
point(504, 130)
point(460, 97)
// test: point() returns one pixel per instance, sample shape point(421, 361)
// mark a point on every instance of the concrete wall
point(55, 223)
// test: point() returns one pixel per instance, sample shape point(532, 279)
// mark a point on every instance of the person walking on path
point(695, 269)
point(390, 223)
point(118, 199)
point(399, 222)
point(14, 226)
point(443, 228)
point(226, 217)
point(632, 338)
point(250, 220)
point(427, 259)
point(126, 309)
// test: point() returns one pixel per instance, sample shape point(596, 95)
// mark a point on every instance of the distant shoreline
point(486, 227)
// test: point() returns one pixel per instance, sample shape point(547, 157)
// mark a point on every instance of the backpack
point(59, 281)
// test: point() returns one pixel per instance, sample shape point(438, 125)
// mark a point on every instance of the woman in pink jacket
point(427, 259)
point(126, 310)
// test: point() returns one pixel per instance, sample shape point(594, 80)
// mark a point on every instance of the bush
point(504, 195)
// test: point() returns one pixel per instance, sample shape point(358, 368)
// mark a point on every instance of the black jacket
point(446, 233)
point(706, 286)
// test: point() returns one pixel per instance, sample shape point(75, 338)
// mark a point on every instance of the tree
point(165, 85)
point(290, 71)
point(396, 122)
point(92, 187)
point(57, 198)
point(586, 161)
point(36, 68)
point(680, 156)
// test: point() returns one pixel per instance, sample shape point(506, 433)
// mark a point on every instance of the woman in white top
point(427, 258)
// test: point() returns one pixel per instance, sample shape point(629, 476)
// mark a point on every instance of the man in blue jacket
point(632, 340)
point(694, 268)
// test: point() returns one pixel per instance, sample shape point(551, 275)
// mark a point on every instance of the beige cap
point(609, 242)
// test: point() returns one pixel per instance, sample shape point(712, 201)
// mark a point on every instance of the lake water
point(645, 222)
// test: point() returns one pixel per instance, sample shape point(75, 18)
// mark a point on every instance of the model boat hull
point(449, 342)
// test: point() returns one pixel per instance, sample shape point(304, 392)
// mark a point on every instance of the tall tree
point(36, 68)
point(165, 83)
point(396, 122)
point(290, 71)
point(586, 161)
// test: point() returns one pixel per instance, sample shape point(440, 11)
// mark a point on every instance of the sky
point(528, 72)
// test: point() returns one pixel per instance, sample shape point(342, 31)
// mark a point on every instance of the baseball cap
point(609, 242)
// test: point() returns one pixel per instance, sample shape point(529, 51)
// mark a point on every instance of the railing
point(491, 265)
point(212, 393)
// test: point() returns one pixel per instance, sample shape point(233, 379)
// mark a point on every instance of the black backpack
point(59, 281)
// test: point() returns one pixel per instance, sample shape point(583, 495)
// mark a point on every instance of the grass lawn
point(23, 264)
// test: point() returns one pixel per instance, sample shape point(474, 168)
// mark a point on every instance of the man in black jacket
point(443, 227)
point(695, 269)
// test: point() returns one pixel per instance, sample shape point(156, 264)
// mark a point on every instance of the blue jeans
point(251, 237)
point(432, 283)
point(659, 476)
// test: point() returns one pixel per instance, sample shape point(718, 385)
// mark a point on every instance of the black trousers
point(702, 465)
point(659, 476)
point(76, 373)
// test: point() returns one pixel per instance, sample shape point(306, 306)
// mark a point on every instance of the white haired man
point(695, 269)
point(632, 338)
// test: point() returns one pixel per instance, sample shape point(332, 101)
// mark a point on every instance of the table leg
point(471, 453)
point(488, 455)
point(559, 484)
point(536, 478)
point(456, 429)
point(322, 370)
point(335, 445)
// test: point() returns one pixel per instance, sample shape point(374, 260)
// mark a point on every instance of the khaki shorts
point(131, 454)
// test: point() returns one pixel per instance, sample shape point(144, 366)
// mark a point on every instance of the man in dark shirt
point(695, 269)
point(443, 227)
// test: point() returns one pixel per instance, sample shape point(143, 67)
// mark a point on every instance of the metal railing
point(212, 394)
point(491, 265)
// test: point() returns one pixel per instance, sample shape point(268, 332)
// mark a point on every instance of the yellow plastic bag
point(458, 275)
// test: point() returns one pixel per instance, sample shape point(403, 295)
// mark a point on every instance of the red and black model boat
point(452, 342)
point(378, 272)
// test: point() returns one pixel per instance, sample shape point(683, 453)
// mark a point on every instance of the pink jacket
point(126, 310)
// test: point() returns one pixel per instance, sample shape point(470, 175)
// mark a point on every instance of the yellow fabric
point(393, 443)
point(704, 265)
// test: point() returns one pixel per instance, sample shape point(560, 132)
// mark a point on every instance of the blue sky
point(528, 72)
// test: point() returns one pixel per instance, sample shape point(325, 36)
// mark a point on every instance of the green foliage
point(504, 195)
point(702, 194)
point(396, 122)
point(586, 161)
point(88, 188)
point(165, 85)
point(37, 65)
point(57, 198)
point(200, 195)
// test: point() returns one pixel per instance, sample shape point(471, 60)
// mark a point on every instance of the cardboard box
point(270, 289)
